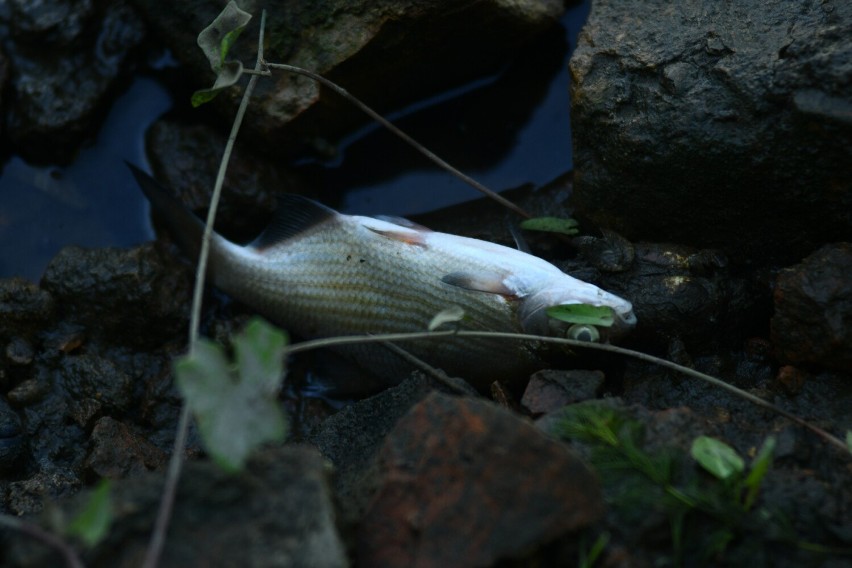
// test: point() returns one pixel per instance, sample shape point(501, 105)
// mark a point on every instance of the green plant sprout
point(551, 225)
point(92, 523)
point(724, 463)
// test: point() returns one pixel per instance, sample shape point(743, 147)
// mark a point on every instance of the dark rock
point(812, 323)
point(56, 22)
point(466, 483)
point(351, 439)
point(50, 484)
point(24, 307)
point(91, 386)
point(12, 440)
point(137, 296)
point(118, 451)
point(186, 158)
point(419, 48)
point(791, 379)
point(19, 351)
point(277, 513)
point(549, 390)
point(4, 78)
point(677, 291)
point(29, 391)
point(723, 126)
point(66, 59)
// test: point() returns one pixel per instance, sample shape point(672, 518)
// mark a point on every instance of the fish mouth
point(624, 323)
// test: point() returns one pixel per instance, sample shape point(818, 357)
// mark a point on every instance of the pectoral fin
point(488, 282)
point(408, 237)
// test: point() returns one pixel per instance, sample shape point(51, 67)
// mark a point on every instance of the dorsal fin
point(295, 215)
point(403, 222)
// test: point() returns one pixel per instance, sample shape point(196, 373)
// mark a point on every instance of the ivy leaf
point(551, 225)
point(228, 75)
point(601, 316)
point(92, 523)
point(236, 410)
point(215, 41)
point(448, 315)
point(717, 457)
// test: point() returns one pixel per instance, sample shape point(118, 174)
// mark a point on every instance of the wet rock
point(50, 484)
point(29, 391)
point(791, 379)
point(19, 351)
point(351, 439)
point(186, 158)
point(277, 513)
point(466, 483)
point(24, 307)
point(723, 126)
point(812, 323)
point(119, 451)
point(137, 296)
point(550, 390)
point(12, 440)
point(676, 291)
point(419, 47)
point(57, 22)
point(93, 385)
point(4, 78)
point(67, 59)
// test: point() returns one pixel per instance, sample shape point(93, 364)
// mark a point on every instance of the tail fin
point(185, 227)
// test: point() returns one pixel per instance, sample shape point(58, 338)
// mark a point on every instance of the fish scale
point(319, 273)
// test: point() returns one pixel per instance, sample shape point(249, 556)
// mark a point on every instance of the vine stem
point(167, 500)
point(402, 135)
point(333, 341)
point(35, 531)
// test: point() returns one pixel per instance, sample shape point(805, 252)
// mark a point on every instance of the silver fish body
point(320, 273)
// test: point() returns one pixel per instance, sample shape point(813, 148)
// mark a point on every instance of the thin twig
point(405, 137)
point(50, 539)
point(164, 514)
point(333, 341)
point(437, 374)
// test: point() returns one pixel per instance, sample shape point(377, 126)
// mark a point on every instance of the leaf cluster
point(706, 514)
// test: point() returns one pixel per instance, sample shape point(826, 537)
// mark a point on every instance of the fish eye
point(583, 332)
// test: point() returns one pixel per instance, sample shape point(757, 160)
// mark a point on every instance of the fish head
point(567, 291)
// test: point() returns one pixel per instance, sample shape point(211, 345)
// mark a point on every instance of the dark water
point(91, 203)
point(507, 130)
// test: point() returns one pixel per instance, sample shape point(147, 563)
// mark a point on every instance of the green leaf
point(759, 467)
point(717, 457)
point(583, 313)
point(449, 315)
point(551, 225)
point(236, 411)
point(92, 523)
point(849, 439)
point(228, 75)
point(215, 41)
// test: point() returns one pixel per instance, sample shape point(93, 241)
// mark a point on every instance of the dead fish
point(320, 273)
